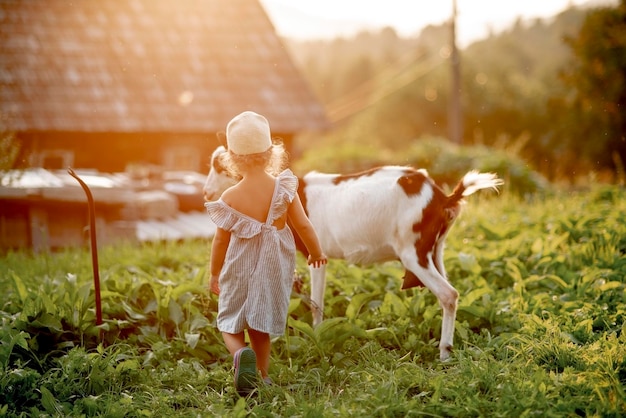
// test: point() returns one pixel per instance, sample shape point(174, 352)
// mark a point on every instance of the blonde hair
point(275, 160)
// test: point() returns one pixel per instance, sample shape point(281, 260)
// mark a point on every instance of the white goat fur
point(377, 216)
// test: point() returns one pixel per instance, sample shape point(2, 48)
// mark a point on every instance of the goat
point(383, 214)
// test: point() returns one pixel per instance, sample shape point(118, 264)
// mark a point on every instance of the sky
point(324, 19)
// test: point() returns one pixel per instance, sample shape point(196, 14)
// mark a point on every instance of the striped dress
point(257, 275)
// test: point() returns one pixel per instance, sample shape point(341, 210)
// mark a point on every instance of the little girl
point(253, 253)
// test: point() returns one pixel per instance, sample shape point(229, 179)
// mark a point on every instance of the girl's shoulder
point(231, 193)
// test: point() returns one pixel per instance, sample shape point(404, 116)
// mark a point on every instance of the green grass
point(539, 331)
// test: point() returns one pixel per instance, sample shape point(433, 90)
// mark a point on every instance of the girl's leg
point(234, 341)
point(244, 361)
point(262, 346)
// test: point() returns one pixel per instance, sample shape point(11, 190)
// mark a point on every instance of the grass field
point(539, 331)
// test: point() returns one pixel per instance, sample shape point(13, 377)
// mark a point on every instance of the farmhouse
point(121, 85)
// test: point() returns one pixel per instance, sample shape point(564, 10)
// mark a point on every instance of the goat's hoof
point(317, 321)
point(445, 352)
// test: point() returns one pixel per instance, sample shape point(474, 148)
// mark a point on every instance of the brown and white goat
point(383, 214)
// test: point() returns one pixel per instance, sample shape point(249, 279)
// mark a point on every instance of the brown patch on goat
point(412, 182)
point(346, 177)
point(410, 280)
point(437, 217)
point(432, 226)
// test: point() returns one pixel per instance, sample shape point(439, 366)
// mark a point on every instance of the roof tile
point(146, 65)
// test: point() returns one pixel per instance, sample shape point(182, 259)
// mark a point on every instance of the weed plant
point(539, 330)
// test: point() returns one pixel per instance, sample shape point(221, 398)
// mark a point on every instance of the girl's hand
point(317, 261)
point(214, 285)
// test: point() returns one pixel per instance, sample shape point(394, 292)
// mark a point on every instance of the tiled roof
point(146, 66)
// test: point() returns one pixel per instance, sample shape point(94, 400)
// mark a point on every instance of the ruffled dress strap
point(284, 193)
point(231, 220)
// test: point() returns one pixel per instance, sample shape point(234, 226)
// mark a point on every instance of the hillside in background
point(385, 92)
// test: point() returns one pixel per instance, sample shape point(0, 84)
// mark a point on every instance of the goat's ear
point(221, 137)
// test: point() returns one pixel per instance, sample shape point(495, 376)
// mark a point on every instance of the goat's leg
point(318, 285)
point(447, 327)
point(445, 293)
point(448, 302)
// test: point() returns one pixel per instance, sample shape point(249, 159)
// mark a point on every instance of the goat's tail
point(471, 183)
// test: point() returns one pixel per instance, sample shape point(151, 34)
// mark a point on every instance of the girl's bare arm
point(218, 254)
point(306, 231)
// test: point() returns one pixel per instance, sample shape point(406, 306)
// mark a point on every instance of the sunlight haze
point(324, 19)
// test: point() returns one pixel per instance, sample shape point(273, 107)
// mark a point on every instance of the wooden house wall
point(114, 152)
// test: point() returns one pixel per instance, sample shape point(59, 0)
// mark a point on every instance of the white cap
point(248, 133)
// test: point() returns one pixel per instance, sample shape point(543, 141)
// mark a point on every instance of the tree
point(596, 125)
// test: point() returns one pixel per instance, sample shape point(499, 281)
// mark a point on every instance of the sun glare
point(324, 19)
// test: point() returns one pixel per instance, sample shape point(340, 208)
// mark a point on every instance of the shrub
point(445, 162)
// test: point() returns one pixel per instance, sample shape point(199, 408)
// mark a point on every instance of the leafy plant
point(539, 330)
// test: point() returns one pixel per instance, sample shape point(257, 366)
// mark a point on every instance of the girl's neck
point(255, 171)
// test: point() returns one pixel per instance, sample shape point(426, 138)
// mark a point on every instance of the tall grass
point(539, 330)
